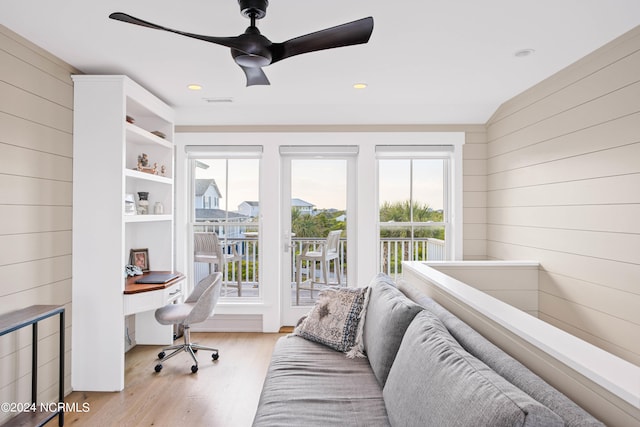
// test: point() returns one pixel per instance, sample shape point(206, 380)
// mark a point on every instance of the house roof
point(202, 185)
point(299, 203)
point(216, 214)
point(442, 62)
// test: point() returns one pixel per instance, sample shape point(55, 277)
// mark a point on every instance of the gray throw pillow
point(334, 319)
point(434, 381)
point(389, 313)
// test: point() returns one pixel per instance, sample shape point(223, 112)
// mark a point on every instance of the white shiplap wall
point(475, 193)
point(563, 181)
point(36, 112)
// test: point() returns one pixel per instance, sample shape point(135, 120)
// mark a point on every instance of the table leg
point(34, 363)
point(61, 372)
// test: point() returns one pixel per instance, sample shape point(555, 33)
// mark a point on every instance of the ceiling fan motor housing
point(256, 9)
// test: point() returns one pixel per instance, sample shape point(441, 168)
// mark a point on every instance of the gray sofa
point(423, 367)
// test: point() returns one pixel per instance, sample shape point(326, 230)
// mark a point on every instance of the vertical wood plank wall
point(563, 181)
point(474, 193)
point(36, 112)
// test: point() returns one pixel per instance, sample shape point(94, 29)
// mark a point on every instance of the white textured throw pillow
point(334, 319)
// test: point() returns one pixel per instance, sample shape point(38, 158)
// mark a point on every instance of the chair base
point(313, 286)
point(311, 275)
point(189, 347)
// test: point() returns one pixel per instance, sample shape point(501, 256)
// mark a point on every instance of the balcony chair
point(207, 249)
point(196, 308)
point(323, 253)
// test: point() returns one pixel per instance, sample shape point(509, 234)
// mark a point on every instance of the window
point(413, 211)
point(224, 184)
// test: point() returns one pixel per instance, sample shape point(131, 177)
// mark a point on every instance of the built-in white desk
point(143, 299)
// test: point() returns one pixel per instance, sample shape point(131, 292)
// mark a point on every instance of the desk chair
point(208, 249)
point(196, 308)
point(325, 252)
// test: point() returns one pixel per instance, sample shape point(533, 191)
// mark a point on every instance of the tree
point(319, 225)
point(403, 211)
point(400, 212)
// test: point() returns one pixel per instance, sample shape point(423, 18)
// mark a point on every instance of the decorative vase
point(143, 204)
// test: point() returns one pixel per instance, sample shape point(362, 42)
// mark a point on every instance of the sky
point(237, 180)
point(322, 182)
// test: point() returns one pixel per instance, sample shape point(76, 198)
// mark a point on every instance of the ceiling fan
point(252, 51)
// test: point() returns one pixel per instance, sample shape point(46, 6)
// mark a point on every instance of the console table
point(15, 320)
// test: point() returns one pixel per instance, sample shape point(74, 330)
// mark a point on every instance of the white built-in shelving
point(114, 118)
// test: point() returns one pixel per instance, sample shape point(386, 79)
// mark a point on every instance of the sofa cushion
point(434, 381)
point(308, 384)
point(334, 319)
point(505, 365)
point(389, 313)
point(383, 278)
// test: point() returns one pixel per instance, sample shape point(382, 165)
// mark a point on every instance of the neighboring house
point(341, 218)
point(207, 194)
point(252, 209)
point(249, 208)
point(302, 206)
point(218, 218)
point(207, 210)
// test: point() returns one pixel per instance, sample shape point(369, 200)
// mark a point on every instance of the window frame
point(452, 231)
point(221, 152)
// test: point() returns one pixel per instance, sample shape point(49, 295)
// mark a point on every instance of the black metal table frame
point(19, 319)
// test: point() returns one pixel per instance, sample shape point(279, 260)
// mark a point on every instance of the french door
point(318, 198)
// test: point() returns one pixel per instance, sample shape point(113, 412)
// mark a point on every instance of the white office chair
point(324, 253)
point(196, 308)
point(207, 248)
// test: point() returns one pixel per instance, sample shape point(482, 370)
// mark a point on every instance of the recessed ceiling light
point(194, 87)
point(360, 86)
point(524, 52)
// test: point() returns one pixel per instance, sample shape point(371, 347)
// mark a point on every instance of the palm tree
point(304, 225)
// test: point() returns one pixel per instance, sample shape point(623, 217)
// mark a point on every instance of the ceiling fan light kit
point(252, 51)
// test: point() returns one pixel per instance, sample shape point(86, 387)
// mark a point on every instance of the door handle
point(288, 244)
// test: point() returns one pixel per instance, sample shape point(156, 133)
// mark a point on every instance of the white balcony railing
point(392, 252)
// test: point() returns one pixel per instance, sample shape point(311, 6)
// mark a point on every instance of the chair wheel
point(215, 356)
point(195, 350)
point(161, 355)
point(194, 368)
point(158, 367)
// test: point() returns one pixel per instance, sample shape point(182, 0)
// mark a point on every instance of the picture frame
point(140, 258)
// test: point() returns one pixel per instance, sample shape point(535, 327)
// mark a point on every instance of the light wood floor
point(222, 393)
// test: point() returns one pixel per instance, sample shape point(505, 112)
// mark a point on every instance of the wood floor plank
point(221, 393)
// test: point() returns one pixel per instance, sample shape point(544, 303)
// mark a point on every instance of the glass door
point(315, 206)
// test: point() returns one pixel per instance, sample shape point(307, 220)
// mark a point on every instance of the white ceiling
point(427, 61)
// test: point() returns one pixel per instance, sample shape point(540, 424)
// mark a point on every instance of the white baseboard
point(230, 323)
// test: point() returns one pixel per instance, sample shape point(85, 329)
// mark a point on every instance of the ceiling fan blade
point(255, 76)
point(351, 33)
point(231, 42)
